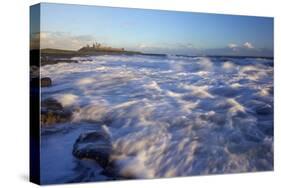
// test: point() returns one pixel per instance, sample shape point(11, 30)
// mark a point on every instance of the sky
point(155, 31)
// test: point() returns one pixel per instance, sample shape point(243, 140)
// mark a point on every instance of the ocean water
point(166, 116)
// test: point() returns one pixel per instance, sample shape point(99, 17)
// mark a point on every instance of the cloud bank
point(60, 40)
point(248, 45)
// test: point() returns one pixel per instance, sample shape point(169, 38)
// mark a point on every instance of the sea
point(166, 115)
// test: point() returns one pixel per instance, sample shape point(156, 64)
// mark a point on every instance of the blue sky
point(72, 26)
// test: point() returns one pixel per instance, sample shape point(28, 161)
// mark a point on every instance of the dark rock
point(93, 145)
point(52, 112)
point(46, 82)
point(53, 117)
point(51, 104)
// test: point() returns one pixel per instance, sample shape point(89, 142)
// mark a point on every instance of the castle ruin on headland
point(99, 47)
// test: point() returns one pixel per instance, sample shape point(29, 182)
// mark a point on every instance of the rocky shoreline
point(89, 146)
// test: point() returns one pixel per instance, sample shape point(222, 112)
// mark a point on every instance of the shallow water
point(166, 116)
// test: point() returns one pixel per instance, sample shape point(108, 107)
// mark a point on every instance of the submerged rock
point(93, 145)
point(46, 82)
point(52, 112)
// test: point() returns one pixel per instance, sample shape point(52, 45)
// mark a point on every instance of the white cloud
point(165, 46)
point(43, 35)
point(236, 47)
point(168, 48)
point(153, 46)
point(142, 46)
point(232, 45)
point(62, 40)
point(248, 45)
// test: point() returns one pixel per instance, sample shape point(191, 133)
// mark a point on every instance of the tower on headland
point(99, 47)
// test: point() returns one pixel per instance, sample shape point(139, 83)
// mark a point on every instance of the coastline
point(53, 56)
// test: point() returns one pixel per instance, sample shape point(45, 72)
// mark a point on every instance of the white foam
point(85, 81)
point(199, 91)
point(67, 99)
point(153, 85)
point(161, 113)
point(95, 111)
point(228, 65)
point(205, 63)
point(236, 106)
point(264, 92)
point(236, 85)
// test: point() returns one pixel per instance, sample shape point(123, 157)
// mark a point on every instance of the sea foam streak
point(166, 116)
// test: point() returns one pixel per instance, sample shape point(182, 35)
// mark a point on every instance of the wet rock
point(51, 104)
point(93, 145)
point(46, 82)
point(53, 117)
point(52, 112)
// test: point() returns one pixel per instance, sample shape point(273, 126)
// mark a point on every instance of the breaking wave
point(167, 116)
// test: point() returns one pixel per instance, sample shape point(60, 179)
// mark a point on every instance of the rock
point(46, 82)
point(93, 145)
point(53, 117)
point(51, 104)
point(52, 112)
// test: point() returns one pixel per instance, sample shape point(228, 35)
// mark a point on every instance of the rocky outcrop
point(93, 145)
point(46, 82)
point(52, 112)
point(51, 104)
